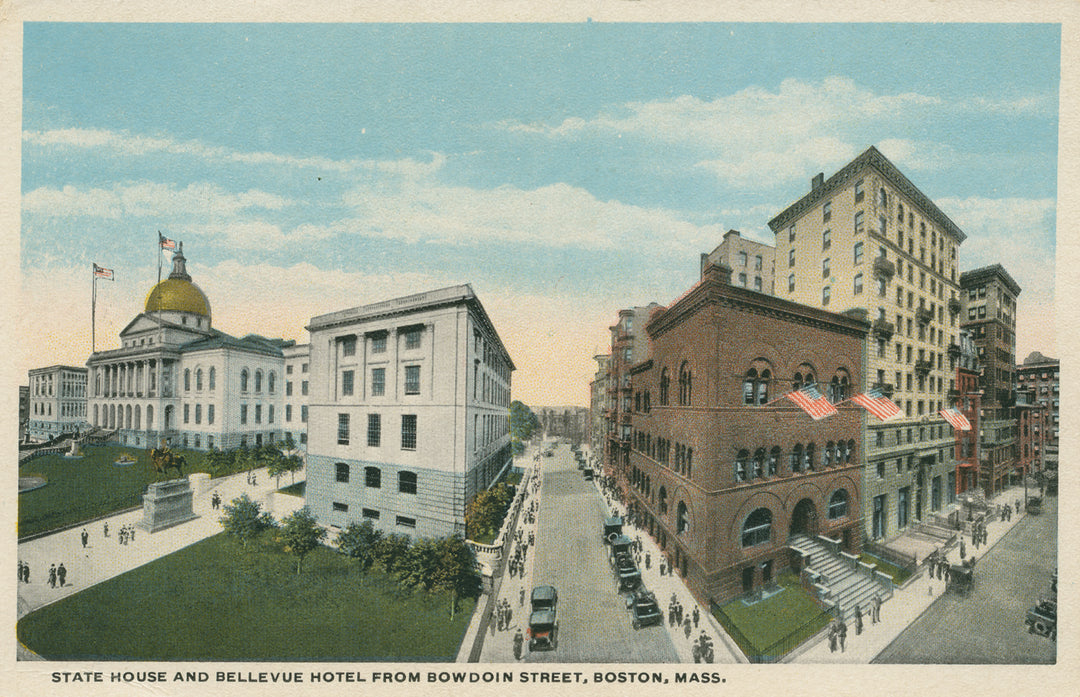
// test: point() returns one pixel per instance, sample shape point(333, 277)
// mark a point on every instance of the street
point(988, 626)
point(594, 624)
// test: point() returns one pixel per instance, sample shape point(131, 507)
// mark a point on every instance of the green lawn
point(771, 620)
point(216, 601)
point(897, 574)
point(293, 489)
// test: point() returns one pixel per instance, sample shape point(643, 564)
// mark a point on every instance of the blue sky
point(565, 170)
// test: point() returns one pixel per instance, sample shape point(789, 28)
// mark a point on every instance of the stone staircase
point(839, 578)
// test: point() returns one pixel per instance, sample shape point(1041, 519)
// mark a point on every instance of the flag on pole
point(164, 242)
point(956, 419)
point(877, 404)
point(812, 402)
point(102, 272)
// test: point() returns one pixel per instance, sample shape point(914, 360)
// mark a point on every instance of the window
point(791, 283)
point(408, 431)
point(838, 504)
point(348, 346)
point(412, 379)
point(187, 380)
point(682, 523)
point(858, 254)
point(341, 473)
point(209, 414)
point(858, 284)
point(288, 388)
point(791, 234)
point(372, 477)
point(665, 383)
point(826, 239)
point(757, 263)
point(405, 522)
point(757, 283)
point(685, 385)
point(858, 191)
point(825, 292)
point(407, 482)
point(369, 513)
point(740, 465)
point(288, 413)
point(243, 413)
point(882, 286)
point(343, 429)
point(883, 199)
point(791, 258)
point(742, 258)
point(378, 381)
point(186, 410)
point(270, 382)
point(258, 413)
point(198, 379)
point(859, 222)
point(347, 382)
point(758, 528)
point(374, 430)
point(258, 380)
point(742, 281)
point(304, 388)
point(341, 507)
point(825, 267)
point(378, 343)
point(198, 413)
point(288, 370)
point(213, 378)
point(412, 339)
point(826, 211)
point(303, 413)
point(270, 414)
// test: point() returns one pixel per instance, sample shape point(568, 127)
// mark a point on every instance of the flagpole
point(93, 309)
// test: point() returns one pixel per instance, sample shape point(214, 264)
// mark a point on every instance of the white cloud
point(147, 199)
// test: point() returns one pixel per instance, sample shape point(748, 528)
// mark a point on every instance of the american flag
point(812, 402)
point(954, 417)
point(877, 404)
point(102, 272)
point(165, 242)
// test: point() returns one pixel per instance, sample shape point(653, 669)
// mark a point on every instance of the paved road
point(988, 627)
point(594, 625)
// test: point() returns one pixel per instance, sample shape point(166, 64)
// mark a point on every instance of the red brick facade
point(703, 460)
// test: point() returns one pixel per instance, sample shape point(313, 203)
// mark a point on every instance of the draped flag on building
point(877, 404)
point(812, 402)
point(954, 417)
point(165, 243)
point(102, 272)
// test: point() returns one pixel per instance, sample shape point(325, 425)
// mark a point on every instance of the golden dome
point(177, 295)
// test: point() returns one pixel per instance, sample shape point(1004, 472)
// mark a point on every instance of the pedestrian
point(509, 614)
point(833, 634)
point(52, 576)
point(131, 532)
point(85, 538)
point(875, 610)
point(696, 616)
point(661, 568)
point(648, 561)
point(963, 550)
point(858, 620)
point(521, 598)
point(843, 635)
point(671, 614)
point(686, 628)
point(20, 571)
point(518, 641)
point(106, 533)
point(26, 573)
point(61, 573)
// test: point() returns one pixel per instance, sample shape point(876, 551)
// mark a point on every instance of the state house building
point(724, 477)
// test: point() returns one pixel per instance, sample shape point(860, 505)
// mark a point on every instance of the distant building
point(966, 395)
point(177, 380)
point(599, 404)
point(564, 422)
point(1040, 377)
point(57, 401)
point(408, 412)
point(629, 345)
point(752, 264)
point(297, 388)
point(24, 410)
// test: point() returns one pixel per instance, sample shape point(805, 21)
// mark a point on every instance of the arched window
point(372, 477)
point(187, 379)
point(685, 384)
point(407, 482)
point(740, 465)
point(258, 380)
point(682, 523)
point(663, 500)
point(804, 376)
point(838, 454)
point(808, 457)
point(839, 387)
point(758, 527)
point(796, 382)
point(796, 458)
point(244, 380)
point(213, 378)
point(750, 387)
point(270, 380)
point(838, 504)
point(138, 417)
point(774, 461)
point(826, 454)
point(756, 384)
point(341, 473)
point(882, 198)
point(759, 463)
point(665, 383)
point(849, 451)
point(900, 213)
point(763, 387)
point(198, 379)
point(149, 417)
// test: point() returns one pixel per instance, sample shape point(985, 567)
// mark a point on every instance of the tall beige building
point(866, 239)
point(752, 263)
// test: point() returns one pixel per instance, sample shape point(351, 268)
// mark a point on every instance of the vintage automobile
point(961, 579)
point(544, 598)
point(612, 528)
point(1042, 619)
point(1034, 505)
point(644, 609)
point(627, 575)
point(620, 544)
point(543, 630)
point(588, 472)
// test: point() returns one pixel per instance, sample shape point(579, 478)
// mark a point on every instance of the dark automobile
point(588, 474)
point(612, 528)
point(627, 575)
point(543, 630)
point(644, 609)
point(544, 598)
point(620, 544)
point(1042, 619)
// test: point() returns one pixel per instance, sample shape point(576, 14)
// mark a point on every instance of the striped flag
point(954, 417)
point(164, 242)
point(102, 272)
point(812, 402)
point(877, 404)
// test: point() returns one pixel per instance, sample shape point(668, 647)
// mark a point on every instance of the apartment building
point(752, 264)
point(629, 345)
point(1041, 378)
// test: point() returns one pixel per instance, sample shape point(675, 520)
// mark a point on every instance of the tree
point(360, 541)
point(288, 445)
point(419, 564)
point(484, 515)
point(292, 464)
point(455, 570)
point(245, 519)
point(301, 534)
point(523, 422)
point(390, 552)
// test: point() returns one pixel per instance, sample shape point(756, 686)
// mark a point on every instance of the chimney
point(818, 181)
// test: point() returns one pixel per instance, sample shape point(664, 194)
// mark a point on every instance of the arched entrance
point(804, 519)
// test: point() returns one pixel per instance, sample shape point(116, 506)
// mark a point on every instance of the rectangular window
point(791, 283)
point(198, 413)
point(826, 239)
point(378, 381)
point(369, 513)
point(406, 522)
point(373, 477)
point(859, 224)
point(243, 413)
point(343, 429)
point(858, 191)
point(378, 343)
point(742, 258)
point(412, 339)
point(742, 280)
point(374, 430)
point(826, 211)
point(791, 258)
point(757, 283)
point(341, 507)
point(303, 413)
point(883, 225)
point(408, 431)
point(288, 370)
point(407, 482)
point(858, 284)
point(187, 408)
point(270, 414)
point(825, 267)
point(757, 263)
point(258, 413)
point(347, 383)
point(825, 292)
point(858, 254)
point(791, 234)
point(288, 412)
point(304, 388)
point(288, 387)
point(303, 367)
point(348, 346)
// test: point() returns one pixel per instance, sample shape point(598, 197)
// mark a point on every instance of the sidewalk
point(906, 605)
point(103, 558)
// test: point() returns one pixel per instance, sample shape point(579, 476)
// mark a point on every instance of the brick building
point(719, 474)
point(629, 345)
point(1041, 378)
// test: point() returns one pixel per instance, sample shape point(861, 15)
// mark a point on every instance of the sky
point(564, 170)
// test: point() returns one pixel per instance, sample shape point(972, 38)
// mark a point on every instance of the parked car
point(620, 544)
point(627, 575)
point(644, 609)
point(543, 630)
point(588, 474)
point(612, 528)
point(544, 598)
point(1042, 619)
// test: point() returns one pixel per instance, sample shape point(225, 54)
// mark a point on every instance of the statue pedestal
point(166, 504)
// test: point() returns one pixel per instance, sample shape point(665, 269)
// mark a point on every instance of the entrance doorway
point(804, 519)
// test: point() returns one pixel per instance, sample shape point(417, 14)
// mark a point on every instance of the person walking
point(696, 616)
point(833, 634)
point(963, 550)
point(521, 598)
point(843, 634)
point(876, 609)
point(85, 538)
point(518, 641)
point(648, 561)
point(858, 620)
point(26, 573)
point(686, 628)
point(20, 570)
point(106, 531)
point(52, 576)
point(61, 573)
